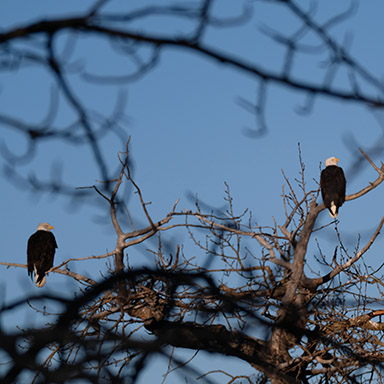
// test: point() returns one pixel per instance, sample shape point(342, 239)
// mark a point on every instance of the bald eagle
point(40, 253)
point(332, 184)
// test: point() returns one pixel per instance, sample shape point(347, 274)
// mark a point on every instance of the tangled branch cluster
point(273, 309)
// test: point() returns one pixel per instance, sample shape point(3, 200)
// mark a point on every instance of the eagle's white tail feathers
point(40, 283)
point(333, 210)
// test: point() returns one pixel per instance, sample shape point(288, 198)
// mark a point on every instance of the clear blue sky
point(187, 133)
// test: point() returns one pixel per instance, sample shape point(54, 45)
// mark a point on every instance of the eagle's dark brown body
point(333, 184)
point(40, 254)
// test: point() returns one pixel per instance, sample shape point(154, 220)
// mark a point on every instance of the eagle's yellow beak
point(51, 227)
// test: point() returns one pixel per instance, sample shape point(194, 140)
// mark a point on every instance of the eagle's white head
point(331, 161)
point(44, 227)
